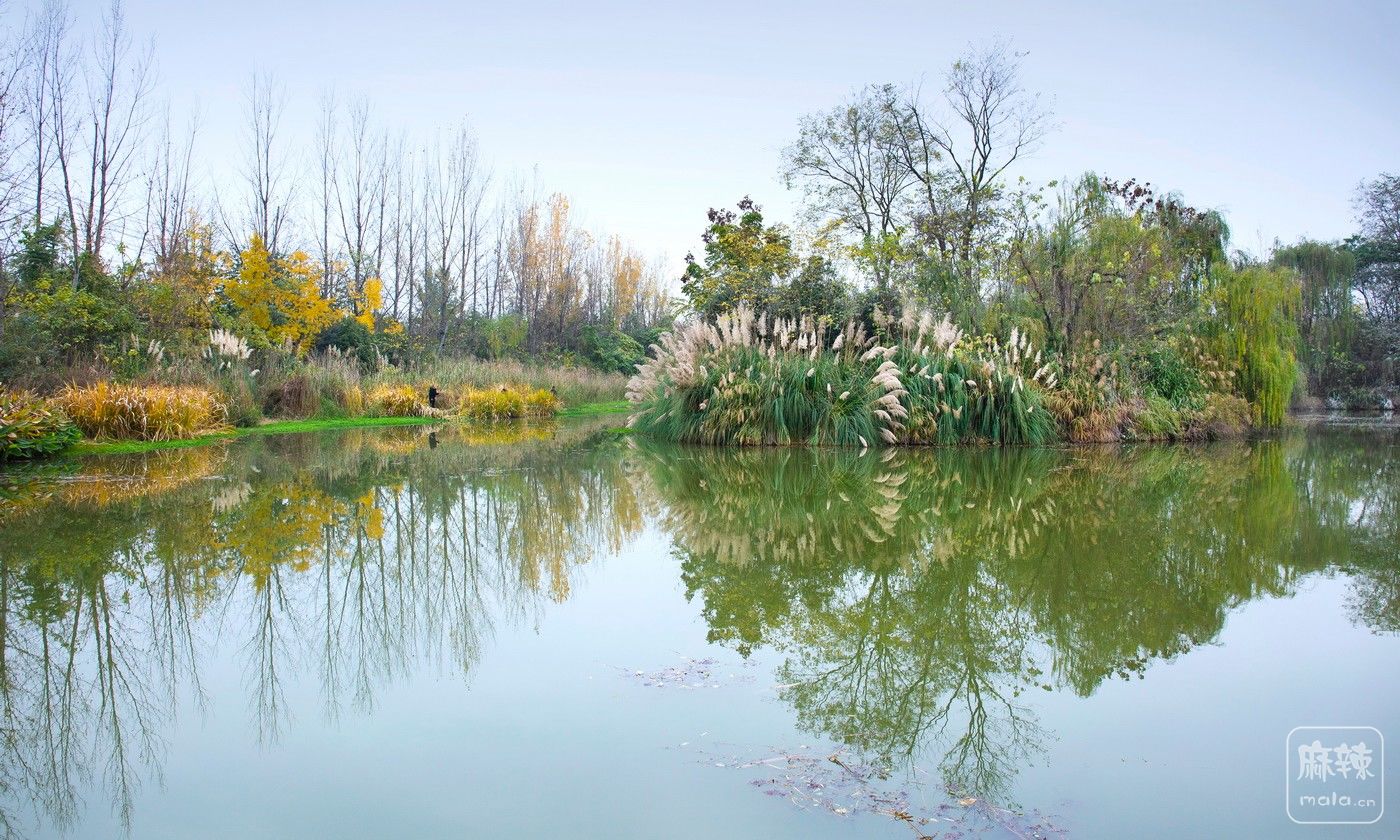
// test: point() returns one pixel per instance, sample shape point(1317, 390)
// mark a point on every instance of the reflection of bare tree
point(360, 554)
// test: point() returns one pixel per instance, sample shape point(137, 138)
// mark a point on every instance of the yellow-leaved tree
point(281, 295)
point(369, 300)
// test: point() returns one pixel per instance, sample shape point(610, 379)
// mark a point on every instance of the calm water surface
point(555, 631)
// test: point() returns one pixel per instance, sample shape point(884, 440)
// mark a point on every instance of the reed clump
point(115, 411)
point(744, 380)
point(572, 386)
point(506, 403)
point(395, 401)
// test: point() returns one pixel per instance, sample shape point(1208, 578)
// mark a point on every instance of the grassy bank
point(282, 427)
point(597, 408)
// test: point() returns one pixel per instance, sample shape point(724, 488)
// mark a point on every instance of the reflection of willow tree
point(354, 555)
point(919, 593)
point(1353, 484)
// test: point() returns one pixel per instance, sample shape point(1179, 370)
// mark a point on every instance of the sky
point(648, 113)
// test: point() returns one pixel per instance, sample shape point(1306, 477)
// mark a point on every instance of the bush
point(395, 401)
point(30, 427)
point(1223, 416)
point(1154, 417)
point(143, 412)
point(506, 403)
point(613, 350)
point(352, 338)
point(294, 396)
point(1163, 369)
point(240, 401)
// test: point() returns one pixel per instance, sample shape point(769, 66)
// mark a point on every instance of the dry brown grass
point(112, 411)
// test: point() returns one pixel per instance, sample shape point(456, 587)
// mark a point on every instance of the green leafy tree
point(1257, 307)
point(1327, 314)
point(744, 262)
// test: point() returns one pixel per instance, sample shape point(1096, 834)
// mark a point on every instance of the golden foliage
point(281, 295)
point(394, 401)
point(506, 403)
point(142, 412)
point(368, 302)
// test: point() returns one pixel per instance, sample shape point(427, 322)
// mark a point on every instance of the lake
point(556, 630)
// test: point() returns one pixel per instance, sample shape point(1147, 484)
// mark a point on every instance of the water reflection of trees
point(351, 554)
point(918, 595)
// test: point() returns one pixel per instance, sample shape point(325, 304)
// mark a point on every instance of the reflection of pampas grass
point(230, 497)
point(107, 481)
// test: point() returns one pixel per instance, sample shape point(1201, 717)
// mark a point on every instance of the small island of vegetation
point(931, 299)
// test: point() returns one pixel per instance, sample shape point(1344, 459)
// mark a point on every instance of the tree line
point(114, 236)
point(911, 196)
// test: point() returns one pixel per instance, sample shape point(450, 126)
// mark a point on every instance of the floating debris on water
point(691, 674)
point(839, 783)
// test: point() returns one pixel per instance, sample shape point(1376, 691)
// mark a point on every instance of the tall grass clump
point(142, 412)
point(31, 427)
point(571, 386)
point(506, 403)
point(745, 381)
point(395, 401)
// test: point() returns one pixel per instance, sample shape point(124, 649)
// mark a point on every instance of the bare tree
point(264, 169)
point(848, 165)
point(44, 64)
point(959, 153)
point(358, 193)
point(326, 165)
point(96, 150)
point(169, 200)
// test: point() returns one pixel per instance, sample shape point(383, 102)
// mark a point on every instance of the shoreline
point(86, 448)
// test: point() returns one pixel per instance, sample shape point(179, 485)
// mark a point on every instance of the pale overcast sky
point(648, 113)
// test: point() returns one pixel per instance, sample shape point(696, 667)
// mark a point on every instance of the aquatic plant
point(743, 380)
point(143, 412)
point(32, 427)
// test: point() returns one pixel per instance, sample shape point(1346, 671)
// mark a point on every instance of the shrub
point(353, 338)
point(240, 400)
point(613, 350)
point(294, 396)
point(31, 427)
point(1154, 418)
point(1223, 416)
point(506, 403)
point(394, 401)
point(1163, 369)
point(143, 412)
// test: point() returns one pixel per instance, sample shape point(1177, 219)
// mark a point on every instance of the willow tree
point(1256, 309)
point(1326, 312)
